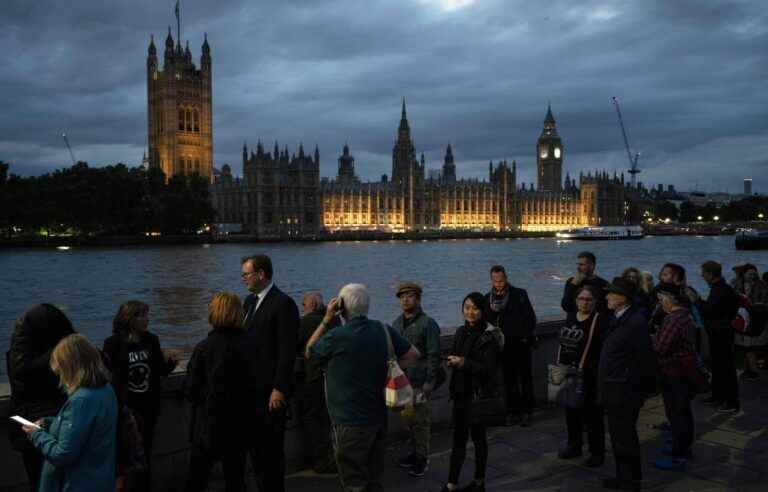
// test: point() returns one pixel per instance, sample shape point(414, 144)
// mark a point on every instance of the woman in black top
point(573, 341)
point(138, 365)
point(35, 391)
point(221, 409)
point(475, 362)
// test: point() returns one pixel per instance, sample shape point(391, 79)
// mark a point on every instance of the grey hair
point(670, 299)
point(356, 300)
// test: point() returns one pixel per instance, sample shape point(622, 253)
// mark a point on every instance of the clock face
point(543, 152)
point(557, 152)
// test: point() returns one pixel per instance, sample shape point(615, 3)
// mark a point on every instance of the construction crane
point(633, 169)
point(69, 147)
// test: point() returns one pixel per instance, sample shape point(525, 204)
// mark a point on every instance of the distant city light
point(715, 218)
point(760, 216)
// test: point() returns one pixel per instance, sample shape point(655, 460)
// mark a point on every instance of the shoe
point(670, 464)
point(594, 461)
point(750, 376)
point(569, 452)
point(327, 468)
point(419, 467)
point(728, 408)
point(616, 484)
point(472, 486)
point(712, 401)
point(667, 451)
point(525, 420)
point(513, 419)
point(408, 461)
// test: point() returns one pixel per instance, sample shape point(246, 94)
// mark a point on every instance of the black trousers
point(677, 395)
point(311, 415)
point(201, 462)
point(622, 424)
point(461, 432)
point(725, 383)
point(267, 450)
point(146, 420)
point(518, 376)
point(591, 417)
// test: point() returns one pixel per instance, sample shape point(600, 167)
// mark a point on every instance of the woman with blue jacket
point(78, 445)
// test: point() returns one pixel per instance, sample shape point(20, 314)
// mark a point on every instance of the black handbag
point(572, 391)
point(489, 411)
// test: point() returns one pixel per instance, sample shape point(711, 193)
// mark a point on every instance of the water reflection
point(88, 284)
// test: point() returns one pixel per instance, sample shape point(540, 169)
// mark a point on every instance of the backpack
point(750, 318)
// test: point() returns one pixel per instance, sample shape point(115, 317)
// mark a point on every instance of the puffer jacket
point(481, 372)
point(35, 390)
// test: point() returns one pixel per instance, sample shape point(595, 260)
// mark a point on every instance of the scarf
point(499, 301)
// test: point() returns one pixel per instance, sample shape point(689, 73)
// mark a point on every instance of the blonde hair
point(646, 282)
point(78, 364)
point(225, 311)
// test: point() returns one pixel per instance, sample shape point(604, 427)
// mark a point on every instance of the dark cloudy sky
point(691, 76)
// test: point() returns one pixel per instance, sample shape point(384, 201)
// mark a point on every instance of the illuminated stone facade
point(285, 197)
point(180, 122)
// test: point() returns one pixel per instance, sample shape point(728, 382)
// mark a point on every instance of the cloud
point(477, 74)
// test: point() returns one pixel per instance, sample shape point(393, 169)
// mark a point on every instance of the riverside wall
point(171, 448)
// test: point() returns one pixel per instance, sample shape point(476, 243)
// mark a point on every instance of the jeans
point(461, 432)
point(418, 419)
point(360, 456)
point(677, 405)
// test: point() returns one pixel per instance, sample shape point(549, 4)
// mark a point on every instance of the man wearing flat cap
point(424, 334)
point(626, 376)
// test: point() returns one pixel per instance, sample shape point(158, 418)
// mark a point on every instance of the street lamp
point(699, 218)
point(716, 218)
point(760, 216)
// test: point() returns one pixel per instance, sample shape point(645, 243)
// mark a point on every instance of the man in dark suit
point(586, 262)
point(510, 310)
point(271, 323)
point(626, 376)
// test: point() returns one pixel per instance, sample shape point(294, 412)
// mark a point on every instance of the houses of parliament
point(281, 194)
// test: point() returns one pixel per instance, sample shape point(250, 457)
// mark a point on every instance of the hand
point(172, 356)
point(331, 311)
point(29, 429)
point(427, 389)
point(577, 279)
point(276, 400)
point(455, 361)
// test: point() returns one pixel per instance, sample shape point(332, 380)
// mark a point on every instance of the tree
point(665, 210)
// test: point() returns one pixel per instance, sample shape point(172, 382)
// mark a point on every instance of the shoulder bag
point(397, 391)
point(571, 393)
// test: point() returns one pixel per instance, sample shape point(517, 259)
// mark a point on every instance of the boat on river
point(751, 239)
point(602, 233)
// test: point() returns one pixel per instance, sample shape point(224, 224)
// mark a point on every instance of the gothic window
point(197, 120)
point(181, 164)
point(189, 120)
point(181, 119)
point(197, 166)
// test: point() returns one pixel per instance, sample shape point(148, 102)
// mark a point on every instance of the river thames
point(88, 284)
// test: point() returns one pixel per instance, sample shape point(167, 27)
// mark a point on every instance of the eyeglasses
point(246, 274)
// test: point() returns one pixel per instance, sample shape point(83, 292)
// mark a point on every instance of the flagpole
point(178, 21)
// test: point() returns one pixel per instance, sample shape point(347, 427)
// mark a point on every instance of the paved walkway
point(730, 454)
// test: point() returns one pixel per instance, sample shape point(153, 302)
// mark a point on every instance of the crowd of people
point(93, 412)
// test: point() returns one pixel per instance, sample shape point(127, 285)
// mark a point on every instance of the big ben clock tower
point(549, 156)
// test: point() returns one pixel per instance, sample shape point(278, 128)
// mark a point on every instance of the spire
point(549, 120)
point(403, 115)
point(152, 50)
point(345, 150)
point(245, 151)
point(277, 151)
point(403, 119)
point(449, 151)
point(169, 40)
point(317, 155)
point(206, 46)
point(301, 150)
